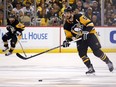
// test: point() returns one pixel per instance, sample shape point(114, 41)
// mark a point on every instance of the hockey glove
point(19, 35)
point(85, 34)
point(66, 43)
point(8, 28)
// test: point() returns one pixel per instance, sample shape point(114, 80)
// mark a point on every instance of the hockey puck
point(40, 80)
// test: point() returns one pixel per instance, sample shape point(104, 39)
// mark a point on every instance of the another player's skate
point(5, 49)
point(8, 53)
point(90, 70)
point(110, 66)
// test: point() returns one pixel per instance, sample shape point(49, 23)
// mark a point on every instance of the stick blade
point(20, 56)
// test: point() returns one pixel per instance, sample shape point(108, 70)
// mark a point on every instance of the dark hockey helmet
point(69, 9)
point(11, 16)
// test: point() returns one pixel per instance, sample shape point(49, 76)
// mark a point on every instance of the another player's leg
point(82, 50)
point(5, 38)
point(13, 44)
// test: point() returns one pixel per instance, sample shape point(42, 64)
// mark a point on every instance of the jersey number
point(84, 17)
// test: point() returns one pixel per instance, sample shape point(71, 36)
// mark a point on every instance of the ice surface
point(55, 70)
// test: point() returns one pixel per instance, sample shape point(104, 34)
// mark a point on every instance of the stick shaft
point(25, 58)
point(22, 48)
point(46, 51)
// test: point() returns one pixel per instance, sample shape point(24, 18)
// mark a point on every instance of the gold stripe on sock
point(104, 57)
point(5, 43)
point(12, 48)
point(83, 57)
point(86, 60)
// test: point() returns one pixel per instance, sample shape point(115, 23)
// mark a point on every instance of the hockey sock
point(11, 49)
point(86, 61)
point(101, 55)
point(6, 44)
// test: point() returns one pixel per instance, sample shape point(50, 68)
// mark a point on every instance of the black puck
point(40, 80)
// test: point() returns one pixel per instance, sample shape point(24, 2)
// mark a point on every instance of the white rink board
point(37, 37)
point(48, 37)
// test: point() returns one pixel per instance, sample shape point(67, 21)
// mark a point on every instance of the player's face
point(68, 15)
point(11, 20)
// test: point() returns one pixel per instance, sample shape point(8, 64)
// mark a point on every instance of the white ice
point(55, 70)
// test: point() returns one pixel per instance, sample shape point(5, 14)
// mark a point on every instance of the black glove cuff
point(69, 39)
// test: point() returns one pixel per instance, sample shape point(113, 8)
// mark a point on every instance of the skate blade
point(90, 74)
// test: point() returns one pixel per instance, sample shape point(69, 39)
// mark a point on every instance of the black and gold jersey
point(85, 23)
point(81, 21)
point(17, 26)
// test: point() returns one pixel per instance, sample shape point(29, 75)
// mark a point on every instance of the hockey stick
point(25, 58)
point(22, 49)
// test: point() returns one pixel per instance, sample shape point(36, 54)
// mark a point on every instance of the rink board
point(38, 39)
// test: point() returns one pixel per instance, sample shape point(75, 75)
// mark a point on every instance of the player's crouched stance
point(78, 26)
point(14, 28)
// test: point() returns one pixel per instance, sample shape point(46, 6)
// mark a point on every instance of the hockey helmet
point(11, 16)
point(69, 9)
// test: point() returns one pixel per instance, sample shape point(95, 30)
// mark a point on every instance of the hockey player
point(14, 28)
point(79, 26)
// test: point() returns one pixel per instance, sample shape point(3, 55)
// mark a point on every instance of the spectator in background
point(87, 4)
point(110, 19)
point(1, 5)
point(55, 21)
point(109, 9)
point(18, 11)
point(114, 21)
point(14, 2)
point(1, 17)
point(96, 9)
point(9, 6)
point(1, 1)
point(114, 5)
point(79, 6)
point(25, 1)
point(53, 18)
point(107, 2)
point(71, 2)
point(28, 10)
point(95, 20)
point(56, 8)
point(28, 13)
point(39, 9)
point(44, 21)
point(89, 13)
point(63, 7)
point(53, 14)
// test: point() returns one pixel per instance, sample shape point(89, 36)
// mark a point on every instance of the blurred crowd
point(51, 12)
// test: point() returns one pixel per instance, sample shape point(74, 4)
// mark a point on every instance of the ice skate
point(90, 70)
point(8, 53)
point(5, 49)
point(110, 66)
